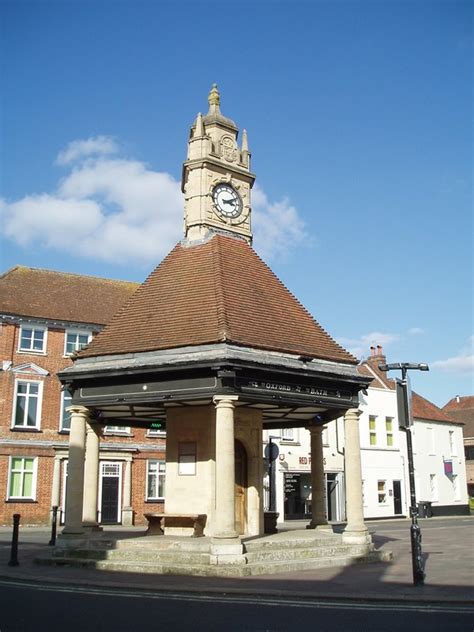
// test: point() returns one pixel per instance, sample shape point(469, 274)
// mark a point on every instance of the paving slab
point(448, 548)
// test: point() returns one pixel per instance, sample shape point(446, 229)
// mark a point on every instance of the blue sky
point(359, 123)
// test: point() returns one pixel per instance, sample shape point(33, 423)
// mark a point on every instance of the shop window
point(389, 430)
point(32, 339)
point(372, 430)
point(382, 492)
point(155, 480)
point(76, 340)
point(22, 478)
point(27, 405)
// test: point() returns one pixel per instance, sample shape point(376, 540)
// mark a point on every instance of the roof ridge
point(74, 274)
point(222, 322)
point(300, 304)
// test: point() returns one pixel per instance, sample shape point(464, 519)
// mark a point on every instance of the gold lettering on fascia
point(295, 388)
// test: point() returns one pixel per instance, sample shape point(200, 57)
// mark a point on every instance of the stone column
point(127, 511)
point(356, 531)
point(318, 482)
point(91, 477)
point(56, 487)
point(225, 467)
point(75, 475)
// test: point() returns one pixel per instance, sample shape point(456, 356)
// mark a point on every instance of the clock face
point(227, 201)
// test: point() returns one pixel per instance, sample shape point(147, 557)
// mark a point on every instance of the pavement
point(448, 550)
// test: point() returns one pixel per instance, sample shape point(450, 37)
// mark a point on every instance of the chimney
point(376, 356)
point(458, 399)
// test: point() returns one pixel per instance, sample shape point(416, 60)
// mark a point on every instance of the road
point(30, 607)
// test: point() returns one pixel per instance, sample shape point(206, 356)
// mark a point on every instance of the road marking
point(316, 603)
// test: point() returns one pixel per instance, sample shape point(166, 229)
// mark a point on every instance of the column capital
point(225, 401)
point(353, 412)
point(79, 410)
point(315, 429)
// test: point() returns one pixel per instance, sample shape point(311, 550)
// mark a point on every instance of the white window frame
point(431, 441)
point(325, 436)
point(35, 477)
point(382, 493)
point(288, 434)
point(117, 430)
point(76, 332)
point(61, 415)
point(434, 487)
point(373, 432)
point(389, 433)
point(37, 425)
point(452, 443)
point(160, 474)
point(455, 483)
point(34, 328)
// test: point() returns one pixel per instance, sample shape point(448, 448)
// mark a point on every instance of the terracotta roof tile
point(462, 409)
point(61, 296)
point(217, 291)
point(423, 409)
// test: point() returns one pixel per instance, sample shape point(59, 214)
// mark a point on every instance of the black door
point(397, 497)
point(110, 497)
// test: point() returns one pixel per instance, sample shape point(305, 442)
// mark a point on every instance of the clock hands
point(231, 201)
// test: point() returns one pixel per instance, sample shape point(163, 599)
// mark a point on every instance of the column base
point(226, 551)
point(325, 526)
point(127, 517)
point(73, 531)
point(91, 526)
point(356, 536)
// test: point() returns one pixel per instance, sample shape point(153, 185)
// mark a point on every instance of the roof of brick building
point(213, 292)
point(45, 294)
point(424, 409)
point(462, 409)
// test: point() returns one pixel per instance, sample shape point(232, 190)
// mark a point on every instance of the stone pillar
point(225, 467)
point(75, 476)
point(356, 531)
point(318, 482)
point(56, 487)
point(91, 477)
point(127, 511)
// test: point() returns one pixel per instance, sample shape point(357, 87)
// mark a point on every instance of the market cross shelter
point(214, 347)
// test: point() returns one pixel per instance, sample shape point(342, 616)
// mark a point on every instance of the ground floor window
point(382, 492)
point(22, 478)
point(155, 489)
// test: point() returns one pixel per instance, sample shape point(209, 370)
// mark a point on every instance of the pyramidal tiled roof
point(213, 292)
point(63, 296)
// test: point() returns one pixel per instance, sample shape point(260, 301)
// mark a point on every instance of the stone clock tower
point(216, 178)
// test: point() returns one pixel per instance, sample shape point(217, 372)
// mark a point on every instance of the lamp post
point(405, 421)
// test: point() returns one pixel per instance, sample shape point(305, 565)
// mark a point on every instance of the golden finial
point(214, 98)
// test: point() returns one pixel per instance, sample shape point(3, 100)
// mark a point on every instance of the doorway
point(240, 488)
point(110, 493)
point(397, 497)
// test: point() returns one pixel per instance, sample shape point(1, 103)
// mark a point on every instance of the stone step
point(303, 543)
point(134, 554)
point(267, 554)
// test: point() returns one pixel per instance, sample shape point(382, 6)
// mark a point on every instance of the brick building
point(462, 410)
point(46, 317)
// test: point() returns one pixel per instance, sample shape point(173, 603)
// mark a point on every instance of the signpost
point(405, 421)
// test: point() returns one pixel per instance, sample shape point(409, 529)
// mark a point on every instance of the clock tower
point(216, 179)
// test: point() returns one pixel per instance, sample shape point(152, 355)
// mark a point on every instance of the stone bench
point(157, 522)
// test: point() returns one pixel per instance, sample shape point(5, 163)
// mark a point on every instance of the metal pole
point(270, 475)
point(52, 542)
point(415, 531)
point(14, 552)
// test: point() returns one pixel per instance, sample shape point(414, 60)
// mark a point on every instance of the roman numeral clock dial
point(227, 201)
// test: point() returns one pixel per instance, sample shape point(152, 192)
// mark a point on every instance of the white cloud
point(463, 363)
point(360, 347)
point(77, 149)
point(276, 226)
point(416, 331)
point(120, 211)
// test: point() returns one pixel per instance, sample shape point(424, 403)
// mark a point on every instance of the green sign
point(158, 425)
